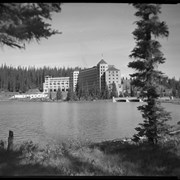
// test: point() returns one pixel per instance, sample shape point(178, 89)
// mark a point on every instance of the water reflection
point(25, 119)
point(94, 121)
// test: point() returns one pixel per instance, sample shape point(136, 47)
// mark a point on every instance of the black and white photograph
point(89, 89)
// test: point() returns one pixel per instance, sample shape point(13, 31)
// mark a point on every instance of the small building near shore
point(31, 96)
point(52, 84)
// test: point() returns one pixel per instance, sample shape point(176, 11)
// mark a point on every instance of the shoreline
point(176, 101)
point(6, 96)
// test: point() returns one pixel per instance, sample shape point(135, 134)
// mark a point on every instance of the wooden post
point(10, 141)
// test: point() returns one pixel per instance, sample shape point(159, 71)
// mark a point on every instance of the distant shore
point(173, 101)
point(5, 96)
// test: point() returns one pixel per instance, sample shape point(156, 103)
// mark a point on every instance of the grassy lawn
point(114, 158)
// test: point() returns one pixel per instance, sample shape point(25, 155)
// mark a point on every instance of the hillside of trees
point(21, 79)
point(167, 87)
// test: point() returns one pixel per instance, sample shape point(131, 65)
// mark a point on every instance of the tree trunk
point(10, 141)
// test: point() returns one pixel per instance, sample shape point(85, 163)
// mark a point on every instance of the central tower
point(102, 66)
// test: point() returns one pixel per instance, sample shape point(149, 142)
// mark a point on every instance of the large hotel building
point(100, 75)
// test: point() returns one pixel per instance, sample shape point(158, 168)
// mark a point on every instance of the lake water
point(94, 121)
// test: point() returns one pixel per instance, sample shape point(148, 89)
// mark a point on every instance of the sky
point(91, 31)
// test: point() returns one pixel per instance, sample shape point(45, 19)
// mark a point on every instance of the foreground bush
point(89, 159)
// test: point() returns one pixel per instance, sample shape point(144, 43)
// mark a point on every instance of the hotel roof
point(112, 68)
point(102, 61)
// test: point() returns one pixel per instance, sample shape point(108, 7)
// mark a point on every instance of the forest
point(21, 79)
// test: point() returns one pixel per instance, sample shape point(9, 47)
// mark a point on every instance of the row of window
point(59, 80)
point(113, 78)
point(55, 90)
point(56, 87)
point(57, 83)
point(113, 72)
point(113, 81)
point(103, 66)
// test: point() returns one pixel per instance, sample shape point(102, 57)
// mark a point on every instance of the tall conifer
point(147, 56)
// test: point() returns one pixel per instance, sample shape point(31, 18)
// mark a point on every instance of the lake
point(52, 121)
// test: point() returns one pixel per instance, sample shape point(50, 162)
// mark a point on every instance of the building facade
point(73, 79)
point(113, 75)
point(102, 66)
point(88, 78)
point(100, 76)
point(52, 84)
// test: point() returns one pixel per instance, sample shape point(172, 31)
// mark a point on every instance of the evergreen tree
point(50, 95)
point(59, 94)
point(121, 94)
point(98, 93)
point(173, 86)
point(126, 94)
point(106, 94)
point(24, 22)
point(147, 56)
point(132, 91)
point(178, 88)
point(77, 90)
point(114, 92)
point(86, 92)
point(94, 90)
point(70, 95)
